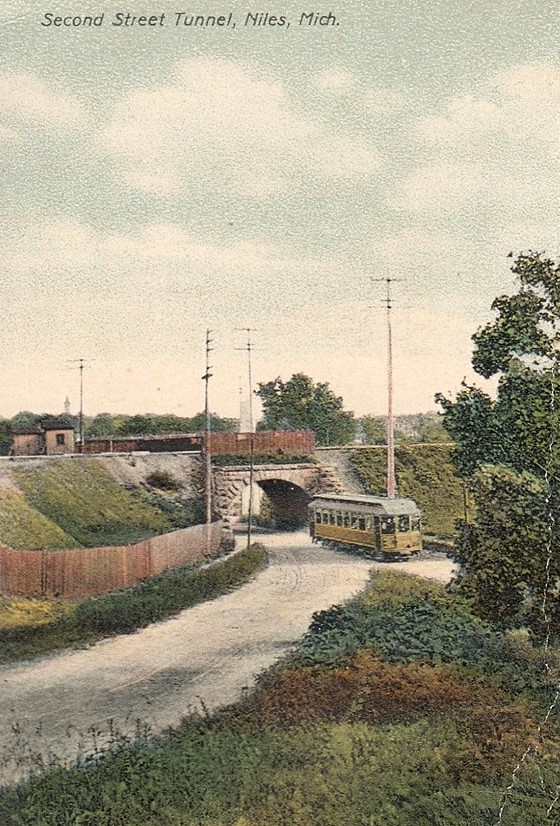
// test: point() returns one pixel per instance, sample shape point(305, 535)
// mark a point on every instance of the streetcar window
point(404, 524)
point(388, 525)
point(332, 518)
point(318, 517)
point(339, 518)
point(361, 523)
point(346, 520)
point(355, 518)
point(415, 523)
point(368, 523)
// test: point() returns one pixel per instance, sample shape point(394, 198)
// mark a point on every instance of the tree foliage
point(107, 425)
point(508, 450)
point(301, 404)
point(373, 430)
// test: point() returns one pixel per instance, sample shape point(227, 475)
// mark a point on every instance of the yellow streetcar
point(379, 526)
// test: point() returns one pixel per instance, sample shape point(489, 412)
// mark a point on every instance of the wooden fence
point(292, 442)
point(81, 572)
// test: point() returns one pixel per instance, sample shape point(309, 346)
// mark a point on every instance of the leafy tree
point(106, 425)
point(25, 418)
point(431, 428)
point(300, 404)
point(508, 449)
point(5, 430)
point(217, 423)
point(102, 426)
point(138, 426)
point(374, 429)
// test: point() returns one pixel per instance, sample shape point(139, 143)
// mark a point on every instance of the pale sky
point(161, 180)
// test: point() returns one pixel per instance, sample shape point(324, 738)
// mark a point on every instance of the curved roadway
point(64, 705)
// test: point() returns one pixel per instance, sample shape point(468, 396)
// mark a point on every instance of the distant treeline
point(106, 425)
point(369, 429)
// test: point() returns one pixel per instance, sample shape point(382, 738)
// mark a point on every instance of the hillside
point(425, 473)
point(88, 503)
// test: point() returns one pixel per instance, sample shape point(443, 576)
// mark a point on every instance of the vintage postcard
point(282, 278)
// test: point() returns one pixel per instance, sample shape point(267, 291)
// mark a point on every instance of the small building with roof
point(52, 436)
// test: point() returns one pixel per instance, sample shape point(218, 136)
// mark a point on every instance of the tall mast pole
point(251, 441)
point(249, 347)
point(81, 405)
point(80, 363)
point(390, 417)
point(391, 484)
point(207, 427)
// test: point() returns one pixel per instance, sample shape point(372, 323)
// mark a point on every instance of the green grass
point(29, 627)
point(87, 503)
point(18, 612)
point(22, 526)
point(228, 773)
point(453, 765)
point(425, 474)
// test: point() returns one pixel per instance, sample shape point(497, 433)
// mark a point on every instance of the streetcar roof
point(364, 502)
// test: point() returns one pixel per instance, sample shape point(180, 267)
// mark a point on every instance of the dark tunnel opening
point(285, 505)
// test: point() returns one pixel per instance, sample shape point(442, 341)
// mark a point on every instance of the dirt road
point(62, 706)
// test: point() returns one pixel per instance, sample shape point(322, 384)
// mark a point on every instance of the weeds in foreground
point(370, 739)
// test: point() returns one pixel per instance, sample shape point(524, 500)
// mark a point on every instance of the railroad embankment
point(424, 473)
point(72, 502)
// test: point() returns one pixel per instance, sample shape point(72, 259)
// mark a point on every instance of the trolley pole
point(207, 428)
point(249, 348)
point(390, 417)
point(391, 484)
point(81, 365)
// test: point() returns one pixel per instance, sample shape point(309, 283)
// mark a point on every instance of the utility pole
point(80, 363)
point(391, 486)
point(249, 348)
point(207, 452)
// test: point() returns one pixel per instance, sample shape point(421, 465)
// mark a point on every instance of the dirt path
point(61, 706)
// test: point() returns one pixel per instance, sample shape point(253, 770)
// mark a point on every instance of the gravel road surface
point(61, 706)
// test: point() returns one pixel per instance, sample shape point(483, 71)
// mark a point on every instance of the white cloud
point(333, 81)
point(494, 152)
point(356, 92)
point(438, 188)
point(158, 269)
point(222, 127)
point(465, 119)
point(8, 135)
point(531, 102)
point(521, 104)
point(27, 99)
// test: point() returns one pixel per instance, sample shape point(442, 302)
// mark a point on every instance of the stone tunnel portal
point(286, 503)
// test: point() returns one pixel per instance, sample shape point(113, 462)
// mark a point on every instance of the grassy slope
point(425, 473)
point(86, 502)
point(22, 526)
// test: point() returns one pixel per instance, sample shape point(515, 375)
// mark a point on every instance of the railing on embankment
point(82, 572)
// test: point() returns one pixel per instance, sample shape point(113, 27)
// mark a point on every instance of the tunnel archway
point(286, 504)
point(283, 491)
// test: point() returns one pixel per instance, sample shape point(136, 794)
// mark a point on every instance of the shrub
point(163, 479)
point(318, 775)
point(494, 728)
point(423, 630)
point(161, 596)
